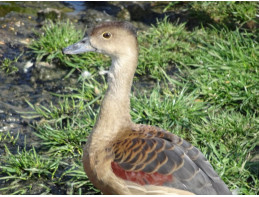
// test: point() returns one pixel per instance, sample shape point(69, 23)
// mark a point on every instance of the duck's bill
point(79, 47)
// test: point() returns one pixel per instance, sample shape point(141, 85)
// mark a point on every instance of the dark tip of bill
point(66, 50)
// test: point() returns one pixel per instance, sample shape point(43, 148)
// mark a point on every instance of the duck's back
point(149, 156)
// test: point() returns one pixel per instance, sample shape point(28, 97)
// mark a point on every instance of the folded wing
point(152, 156)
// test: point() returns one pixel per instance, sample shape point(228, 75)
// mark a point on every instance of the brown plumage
point(122, 157)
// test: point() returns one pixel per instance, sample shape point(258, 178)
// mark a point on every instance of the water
point(78, 6)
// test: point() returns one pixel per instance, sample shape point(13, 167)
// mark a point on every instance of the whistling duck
point(121, 157)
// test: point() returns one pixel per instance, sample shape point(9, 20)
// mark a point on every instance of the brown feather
point(154, 150)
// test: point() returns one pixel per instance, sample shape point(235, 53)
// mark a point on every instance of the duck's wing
point(150, 156)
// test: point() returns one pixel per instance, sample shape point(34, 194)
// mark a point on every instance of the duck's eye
point(107, 35)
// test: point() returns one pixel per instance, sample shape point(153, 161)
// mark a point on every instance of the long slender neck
point(115, 110)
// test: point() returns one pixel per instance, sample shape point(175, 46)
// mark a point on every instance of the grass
point(26, 164)
point(206, 90)
point(221, 65)
point(9, 138)
point(8, 67)
point(23, 166)
point(228, 13)
point(55, 38)
point(167, 109)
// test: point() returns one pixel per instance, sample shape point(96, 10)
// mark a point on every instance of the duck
point(122, 157)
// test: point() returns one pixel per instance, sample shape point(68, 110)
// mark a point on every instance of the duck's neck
point(115, 110)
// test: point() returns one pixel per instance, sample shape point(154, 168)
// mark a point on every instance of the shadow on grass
point(253, 164)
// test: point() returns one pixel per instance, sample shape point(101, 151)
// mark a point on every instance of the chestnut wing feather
point(152, 152)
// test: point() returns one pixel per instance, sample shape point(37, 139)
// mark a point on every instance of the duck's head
point(112, 38)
